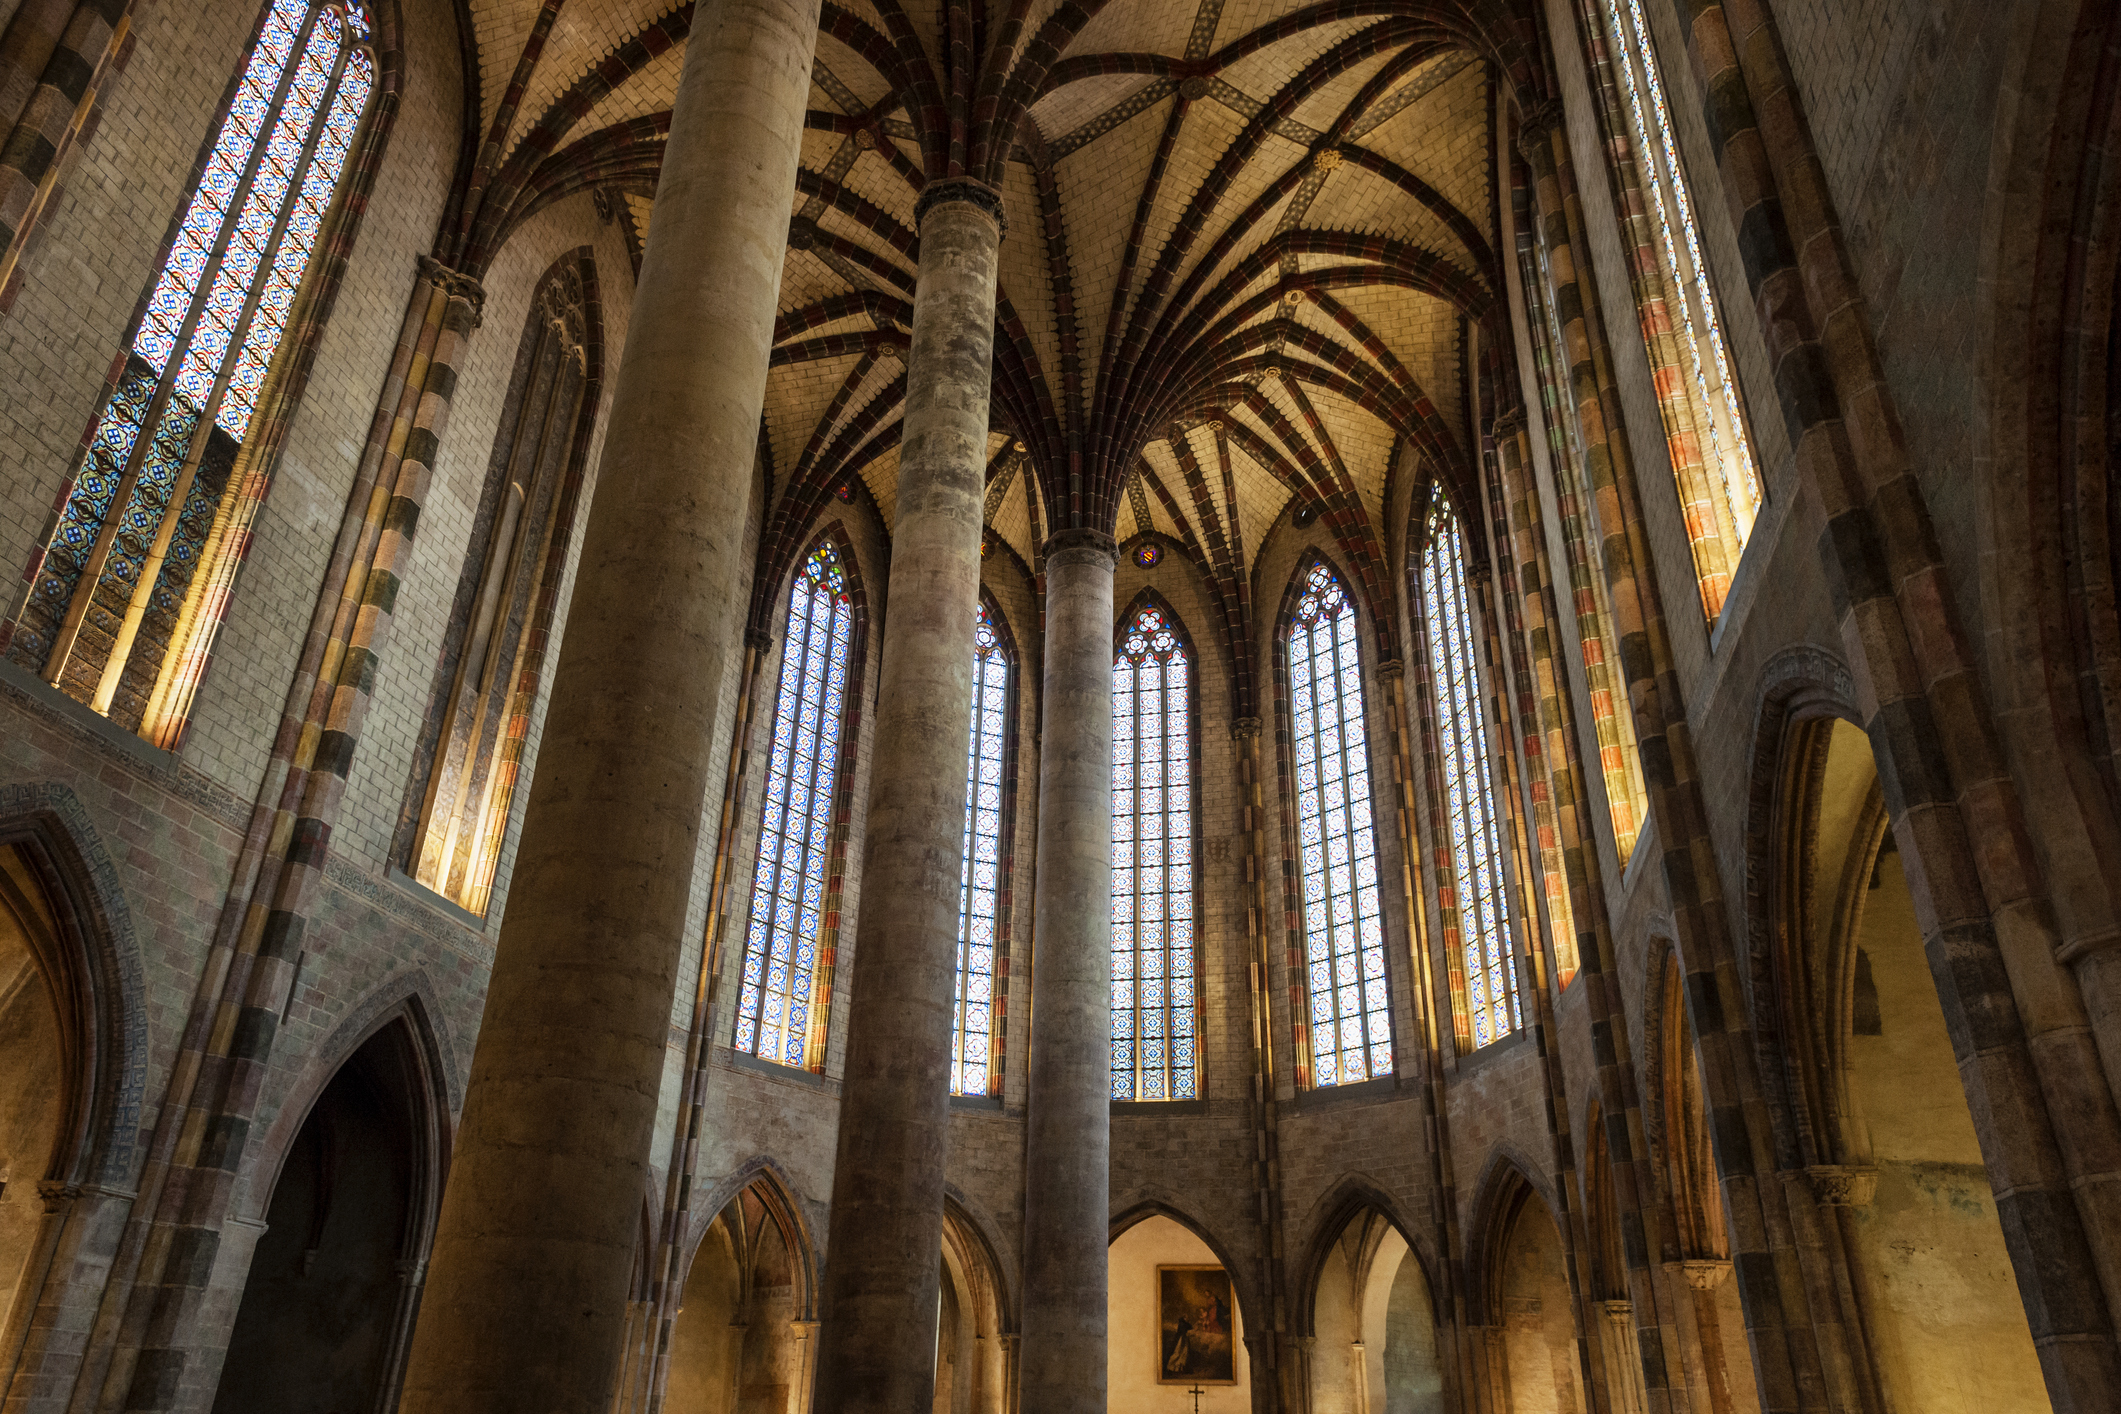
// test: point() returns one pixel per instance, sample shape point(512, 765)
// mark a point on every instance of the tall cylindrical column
point(525, 1305)
point(1067, 1161)
point(883, 1252)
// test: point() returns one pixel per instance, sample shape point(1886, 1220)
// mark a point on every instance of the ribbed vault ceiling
point(1246, 241)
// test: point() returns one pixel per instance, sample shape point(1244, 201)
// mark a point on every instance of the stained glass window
point(1704, 424)
point(973, 1031)
point(132, 534)
point(1472, 891)
point(1155, 1008)
point(1344, 929)
point(775, 1017)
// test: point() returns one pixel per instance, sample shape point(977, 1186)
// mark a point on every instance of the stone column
point(1067, 1161)
point(525, 1304)
point(877, 1345)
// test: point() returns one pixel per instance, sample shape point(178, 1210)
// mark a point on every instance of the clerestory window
point(1155, 996)
point(1343, 921)
point(982, 912)
point(1470, 879)
point(1704, 424)
point(127, 598)
point(786, 971)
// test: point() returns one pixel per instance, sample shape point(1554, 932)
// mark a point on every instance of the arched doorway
point(741, 1343)
point(1373, 1325)
point(41, 1068)
point(1892, 1181)
point(1533, 1365)
point(1163, 1276)
point(972, 1371)
point(328, 1300)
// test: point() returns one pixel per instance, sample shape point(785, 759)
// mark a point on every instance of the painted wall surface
point(1131, 1386)
point(1951, 1334)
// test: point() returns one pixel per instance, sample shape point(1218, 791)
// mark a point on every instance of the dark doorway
point(319, 1328)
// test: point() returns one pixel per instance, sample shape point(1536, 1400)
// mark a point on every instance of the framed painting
point(1196, 1338)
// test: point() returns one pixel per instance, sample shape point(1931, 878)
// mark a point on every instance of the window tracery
point(1155, 1000)
point(132, 583)
point(1471, 887)
point(975, 1059)
point(1612, 720)
point(471, 751)
point(1705, 426)
point(1343, 922)
point(780, 1011)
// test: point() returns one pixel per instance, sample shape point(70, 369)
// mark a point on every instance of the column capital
point(1082, 538)
point(1509, 422)
point(456, 284)
point(963, 189)
point(1244, 728)
point(1541, 117)
point(1701, 1273)
point(1618, 1312)
point(1841, 1185)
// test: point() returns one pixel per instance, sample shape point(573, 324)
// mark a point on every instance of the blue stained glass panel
point(974, 1063)
point(788, 886)
point(1474, 906)
point(1153, 964)
point(1351, 1025)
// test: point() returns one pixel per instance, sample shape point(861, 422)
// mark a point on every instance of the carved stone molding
point(1082, 538)
point(1508, 423)
point(963, 189)
point(456, 284)
point(1702, 1273)
point(1841, 1185)
point(57, 1195)
point(1620, 1313)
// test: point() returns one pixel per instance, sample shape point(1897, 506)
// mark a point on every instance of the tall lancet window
point(781, 1000)
point(1155, 1000)
point(493, 655)
point(1704, 425)
point(124, 602)
point(982, 910)
point(1471, 888)
point(1344, 930)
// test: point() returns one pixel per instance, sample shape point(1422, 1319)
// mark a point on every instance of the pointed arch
point(467, 765)
point(93, 962)
point(1170, 1206)
point(766, 1180)
point(785, 987)
point(979, 1004)
point(1156, 993)
point(1345, 1202)
point(1343, 990)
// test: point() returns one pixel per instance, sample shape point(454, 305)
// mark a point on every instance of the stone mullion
point(1764, 1248)
point(1645, 1212)
point(1939, 752)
